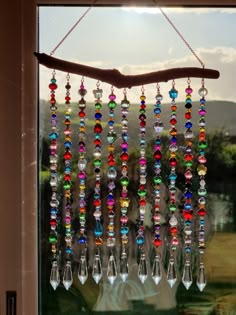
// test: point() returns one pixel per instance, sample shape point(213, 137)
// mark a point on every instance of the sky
point(140, 40)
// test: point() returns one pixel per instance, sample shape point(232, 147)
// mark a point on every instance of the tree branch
point(119, 80)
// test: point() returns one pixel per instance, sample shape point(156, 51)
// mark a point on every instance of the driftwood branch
point(119, 80)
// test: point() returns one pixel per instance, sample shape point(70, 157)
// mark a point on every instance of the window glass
point(136, 41)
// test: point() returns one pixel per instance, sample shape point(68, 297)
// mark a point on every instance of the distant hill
point(220, 115)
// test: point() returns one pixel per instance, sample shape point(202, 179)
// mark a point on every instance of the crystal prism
point(97, 269)
point(156, 270)
point(111, 269)
point(142, 268)
point(187, 278)
point(83, 269)
point(201, 279)
point(54, 277)
point(67, 276)
point(171, 273)
point(124, 268)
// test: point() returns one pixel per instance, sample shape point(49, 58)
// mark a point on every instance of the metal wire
point(180, 35)
point(73, 27)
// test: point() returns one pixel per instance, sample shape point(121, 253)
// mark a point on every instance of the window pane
point(137, 41)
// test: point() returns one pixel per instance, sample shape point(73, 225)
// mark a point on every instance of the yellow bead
point(202, 170)
point(142, 97)
point(124, 202)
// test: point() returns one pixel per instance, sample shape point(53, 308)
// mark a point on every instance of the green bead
point(172, 207)
point(67, 185)
point(97, 163)
point(157, 179)
point(188, 163)
point(53, 80)
point(112, 105)
point(98, 106)
point(202, 144)
point(142, 193)
point(124, 181)
point(52, 239)
point(82, 216)
point(111, 137)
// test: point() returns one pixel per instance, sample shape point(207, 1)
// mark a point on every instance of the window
point(111, 47)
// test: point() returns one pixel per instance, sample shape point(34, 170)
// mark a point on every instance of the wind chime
point(177, 228)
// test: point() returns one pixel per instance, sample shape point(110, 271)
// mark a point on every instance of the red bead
point(52, 86)
point(173, 121)
point(188, 215)
point(53, 101)
point(188, 115)
point(188, 157)
point(143, 106)
point(67, 177)
point(157, 242)
point(142, 124)
point(67, 155)
point(142, 202)
point(53, 222)
point(97, 202)
point(81, 114)
point(97, 141)
point(110, 157)
point(124, 156)
point(111, 162)
point(173, 230)
point(172, 162)
point(98, 128)
point(201, 212)
point(157, 155)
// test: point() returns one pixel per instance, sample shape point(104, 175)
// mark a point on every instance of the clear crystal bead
point(187, 278)
point(142, 268)
point(156, 269)
point(83, 269)
point(97, 268)
point(54, 277)
point(67, 275)
point(111, 269)
point(201, 279)
point(124, 268)
point(171, 273)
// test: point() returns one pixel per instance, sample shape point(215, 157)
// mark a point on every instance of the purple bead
point(188, 90)
point(111, 185)
point(142, 161)
point(81, 175)
point(124, 145)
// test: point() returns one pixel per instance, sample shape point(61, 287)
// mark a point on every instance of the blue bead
point(202, 221)
point(67, 144)
point(98, 229)
point(187, 206)
point(142, 102)
point(140, 240)
point(97, 136)
point(188, 124)
point(188, 100)
point(54, 116)
point(187, 222)
point(174, 140)
point(98, 115)
point(82, 239)
point(68, 169)
point(202, 100)
point(69, 250)
point(124, 230)
point(173, 93)
point(67, 116)
point(111, 122)
point(188, 250)
point(172, 176)
point(158, 141)
point(157, 111)
point(96, 196)
point(142, 141)
point(125, 137)
point(201, 152)
point(111, 114)
point(53, 210)
point(188, 194)
point(53, 135)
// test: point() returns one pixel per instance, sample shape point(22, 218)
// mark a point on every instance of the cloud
point(219, 58)
point(156, 10)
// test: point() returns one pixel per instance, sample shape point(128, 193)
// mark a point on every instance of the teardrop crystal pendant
point(156, 269)
point(201, 279)
point(111, 269)
point(83, 269)
point(54, 277)
point(171, 273)
point(187, 278)
point(67, 275)
point(97, 268)
point(124, 268)
point(142, 268)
